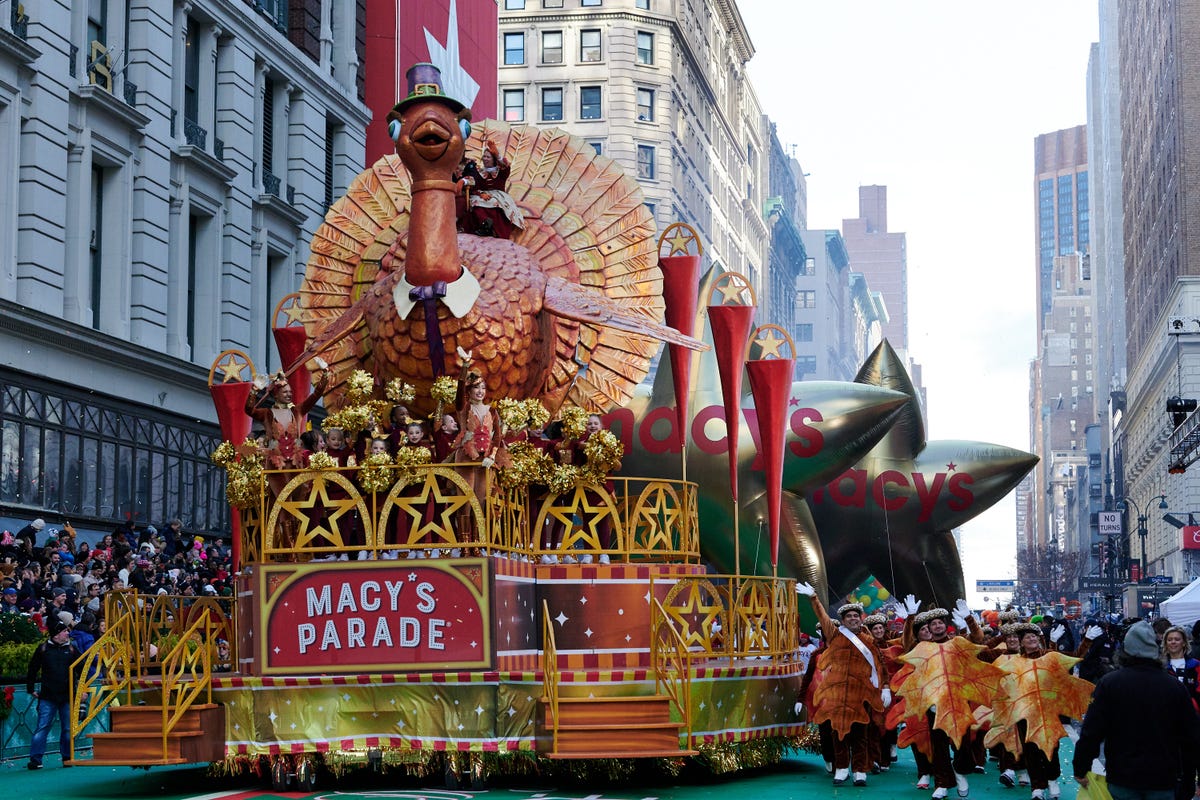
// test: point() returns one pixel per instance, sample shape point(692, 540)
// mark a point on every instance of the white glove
point(911, 605)
point(321, 363)
point(1093, 632)
point(464, 355)
point(1057, 632)
point(798, 707)
point(487, 462)
point(887, 697)
point(960, 622)
point(716, 626)
point(805, 589)
point(962, 609)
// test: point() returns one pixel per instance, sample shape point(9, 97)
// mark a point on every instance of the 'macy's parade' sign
point(387, 616)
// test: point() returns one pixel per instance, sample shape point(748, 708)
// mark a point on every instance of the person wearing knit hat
point(854, 689)
point(881, 740)
point(1145, 720)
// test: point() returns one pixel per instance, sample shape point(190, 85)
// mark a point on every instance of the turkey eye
point(394, 129)
point(465, 127)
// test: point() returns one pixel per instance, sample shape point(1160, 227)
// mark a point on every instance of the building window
point(552, 105)
point(191, 74)
point(809, 267)
point(806, 298)
point(645, 162)
point(552, 3)
point(514, 105)
point(586, 3)
point(589, 45)
point(97, 243)
point(514, 5)
point(331, 132)
point(645, 105)
point(268, 129)
point(652, 208)
point(598, 147)
point(645, 47)
point(589, 102)
point(806, 365)
point(644, 5)
point(804, 332)
point(552, 47)
point(514, 48)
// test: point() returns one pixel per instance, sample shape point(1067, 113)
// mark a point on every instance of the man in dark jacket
point(52, 660)
point(1146, 720)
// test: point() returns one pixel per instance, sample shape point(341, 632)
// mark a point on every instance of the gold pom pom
point(537, 413)
point(224, 454)
point(400, 392)
point(321, 461)
point(375, 475)
point(359, 386)
point(513, 414)
point(604, 452)
point(444, 389)
point(574, 421)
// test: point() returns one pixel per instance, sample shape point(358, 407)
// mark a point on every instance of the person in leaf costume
point(1037, 688)
point(853, 688)
point(881, 739)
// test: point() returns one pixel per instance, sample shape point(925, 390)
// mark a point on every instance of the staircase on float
point(136, 737)
point(611, 727)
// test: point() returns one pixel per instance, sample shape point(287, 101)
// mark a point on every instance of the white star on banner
point(456, 81)
point(562, 618)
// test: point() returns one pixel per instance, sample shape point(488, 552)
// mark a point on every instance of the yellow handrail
point(104, 673)
point(550, 673)
point(672, 666)
point(187, 673)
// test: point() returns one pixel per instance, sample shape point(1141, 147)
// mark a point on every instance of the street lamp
point(1123, 505)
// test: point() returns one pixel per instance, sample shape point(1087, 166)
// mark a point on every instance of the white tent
point(1182, 608)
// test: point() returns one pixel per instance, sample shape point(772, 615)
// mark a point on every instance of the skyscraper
point(1062, 225)
point(881, 256)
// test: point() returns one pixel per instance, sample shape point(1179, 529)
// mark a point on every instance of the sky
point(939, 100)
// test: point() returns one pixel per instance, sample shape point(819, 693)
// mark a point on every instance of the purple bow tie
point(428, 295)
point(438, 289)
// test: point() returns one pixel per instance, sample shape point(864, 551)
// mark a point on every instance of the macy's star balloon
point(892, 513)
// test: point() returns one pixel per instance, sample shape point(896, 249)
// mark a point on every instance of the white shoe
point(549, 559)
point(1008, 779)
point(390, 555)
point(456, 553)
point(840, 775)
point(923, 782)
point(344, 557)
point(963, 786)
point(1037, 794)
point(412, 554)
point(362, 555)
point(569, 560)
point(860, 779)
point(1023, 778)
point(1053, 788)
point(604, 558)
point(829, 767)
point(939, 793)
point(422, 554)
point(586, 558)
point(435, 553)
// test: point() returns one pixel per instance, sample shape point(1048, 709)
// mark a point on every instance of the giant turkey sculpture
point(569, 311)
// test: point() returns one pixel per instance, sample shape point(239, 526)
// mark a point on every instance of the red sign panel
point(458, 36)
point(1191, 537)
point(344, 617)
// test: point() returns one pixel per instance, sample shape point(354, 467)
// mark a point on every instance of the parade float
point(499, 615)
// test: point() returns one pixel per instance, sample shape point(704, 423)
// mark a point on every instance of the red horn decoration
point(730, 330)
point(770, 384)
point(290, 341)
point(229, 399)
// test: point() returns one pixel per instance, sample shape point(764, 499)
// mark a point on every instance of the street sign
point(1006, 585)
point(1160, 579)
point(1093, 583)
point(1108, 523)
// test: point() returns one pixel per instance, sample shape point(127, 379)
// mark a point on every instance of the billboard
point(458, 36)
point(1191, 537)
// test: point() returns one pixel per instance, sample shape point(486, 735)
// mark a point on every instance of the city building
point(785, 212)
point(882, 256)
point(660, 88)
point(163, 167)
point(1160, 182)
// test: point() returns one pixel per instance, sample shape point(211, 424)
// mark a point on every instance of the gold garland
point(374, 475)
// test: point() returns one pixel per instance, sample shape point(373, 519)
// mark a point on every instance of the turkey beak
point(430, 139)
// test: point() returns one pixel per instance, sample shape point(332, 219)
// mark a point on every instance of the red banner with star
point(374, 617)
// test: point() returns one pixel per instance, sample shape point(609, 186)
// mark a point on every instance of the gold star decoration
point(769, 342)
point(233, 366)
point(754, 614)
point(658, 518)
point(680, 238)
point(413, 506)
point(318, 513)
point(734, 290)
point(291, 309)
point(585, 503)
point(694, 617)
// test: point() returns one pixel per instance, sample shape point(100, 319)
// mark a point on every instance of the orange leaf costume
point(845, 695)
point(949, 675)
point(1037, 691)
